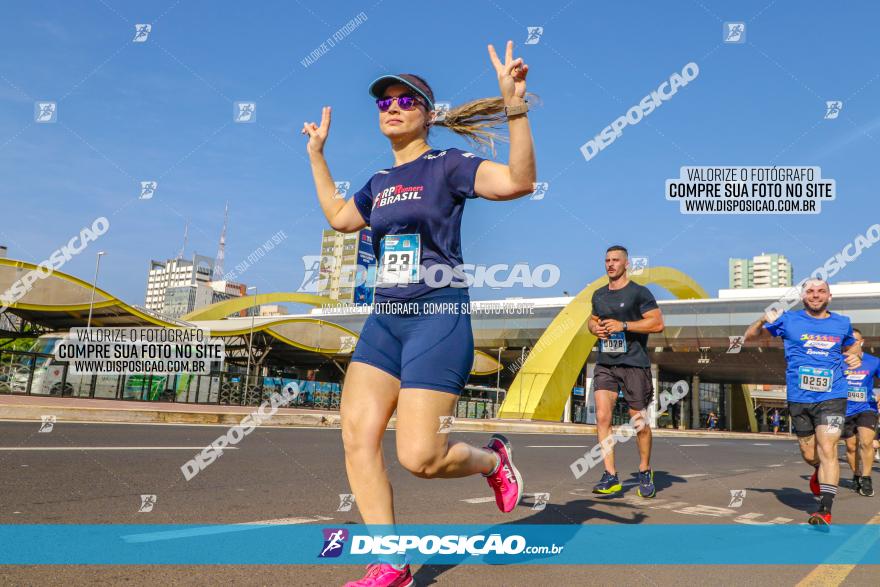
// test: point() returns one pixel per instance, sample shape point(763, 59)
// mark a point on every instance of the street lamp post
point(94, 286)
point(498, 378)
point(251, 338)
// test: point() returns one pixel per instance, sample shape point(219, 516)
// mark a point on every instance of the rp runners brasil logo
point(334, 540)
point(397, 193)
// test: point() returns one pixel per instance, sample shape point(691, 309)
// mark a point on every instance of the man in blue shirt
point(819, 346)
point(861, 418)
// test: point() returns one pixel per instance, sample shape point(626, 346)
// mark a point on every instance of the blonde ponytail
point(475, 120)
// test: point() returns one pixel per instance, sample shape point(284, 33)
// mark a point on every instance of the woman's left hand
point(511, 75)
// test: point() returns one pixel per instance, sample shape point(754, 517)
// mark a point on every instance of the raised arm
point(495, 181)
point(756, 330)
point(342, 216)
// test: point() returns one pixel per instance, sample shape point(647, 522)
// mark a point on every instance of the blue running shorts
point(426, 342)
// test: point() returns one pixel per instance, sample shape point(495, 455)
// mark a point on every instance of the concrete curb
point(104, 415)
point(329, 420)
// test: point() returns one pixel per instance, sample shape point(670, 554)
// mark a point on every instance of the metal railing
point(27, 373)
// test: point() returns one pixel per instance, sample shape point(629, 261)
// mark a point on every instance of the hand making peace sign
point(511, 75)
point(317, 134)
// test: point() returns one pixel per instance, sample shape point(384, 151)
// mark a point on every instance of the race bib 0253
point(815, 378)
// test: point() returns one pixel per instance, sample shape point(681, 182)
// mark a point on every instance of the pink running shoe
point(384, 575)
point(505, 481)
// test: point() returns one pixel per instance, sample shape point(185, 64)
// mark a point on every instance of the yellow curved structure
point(337, 337)
point(310, 334)
point(223, 309)
point(65, 294)
point(544, 382)
point(63, 297)
point(485, 364)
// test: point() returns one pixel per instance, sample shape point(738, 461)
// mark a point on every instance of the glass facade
point(710, 401)
point(671, 416)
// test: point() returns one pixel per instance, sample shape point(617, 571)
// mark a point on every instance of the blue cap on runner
point(417, 84)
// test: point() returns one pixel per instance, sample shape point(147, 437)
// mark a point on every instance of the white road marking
point(760, 444)
point(222, 529)
point(752, 517)
point(692, 475)
point(190, 424)
point(488, 499)
point(742, 470)
point(25, 448)
point(283, 521)
point(479, 500)
point(673, 505)
point(776, 465)
point(683, 507)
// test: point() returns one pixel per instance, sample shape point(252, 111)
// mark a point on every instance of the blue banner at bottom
point(279, 544)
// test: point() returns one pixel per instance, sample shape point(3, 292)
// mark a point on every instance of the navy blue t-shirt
point(418, 207)
point(814, 355)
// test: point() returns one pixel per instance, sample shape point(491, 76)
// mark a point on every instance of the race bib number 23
point(400, 258)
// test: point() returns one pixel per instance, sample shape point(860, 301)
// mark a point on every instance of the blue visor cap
point(414, 82)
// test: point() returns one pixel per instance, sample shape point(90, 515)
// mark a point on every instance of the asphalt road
point(280, 473)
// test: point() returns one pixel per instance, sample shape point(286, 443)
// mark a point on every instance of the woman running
point(409, 358)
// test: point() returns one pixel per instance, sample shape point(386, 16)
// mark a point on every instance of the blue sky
point(163, 110)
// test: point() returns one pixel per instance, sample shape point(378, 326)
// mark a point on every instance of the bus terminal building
point(535, 353)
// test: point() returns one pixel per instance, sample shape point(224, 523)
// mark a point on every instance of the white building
point(175, 273)
point(273, 310)
point(344, 259)
point(764, 270)
point(184, 299)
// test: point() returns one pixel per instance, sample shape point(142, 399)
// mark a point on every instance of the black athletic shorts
point(636, 383)
point(806, 417)
point(866, 419)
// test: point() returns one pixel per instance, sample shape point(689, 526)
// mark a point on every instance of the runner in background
point(775, 420)
point(624, 313)
point(859, 430)
point(819, 347)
